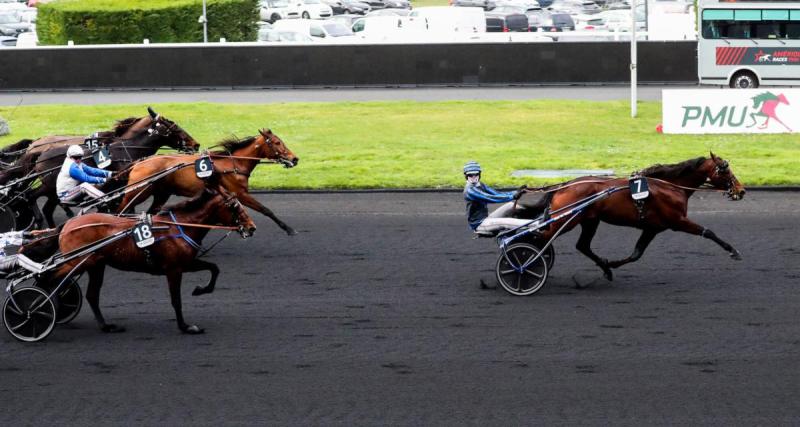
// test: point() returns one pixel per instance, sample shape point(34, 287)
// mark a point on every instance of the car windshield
point(8, 19)
point(278, 3)
point(562, 19)
point(336, 29)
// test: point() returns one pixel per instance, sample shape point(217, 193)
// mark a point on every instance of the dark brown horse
point(10, 153)
point(666, 208)
point(147, 140)
point(233, 164)
point(173, 253)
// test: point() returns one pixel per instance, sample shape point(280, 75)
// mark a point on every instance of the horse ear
point(152, 113)
point(265, 132)
point(713, 157)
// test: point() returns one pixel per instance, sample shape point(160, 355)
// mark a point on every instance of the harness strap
point(180, 235)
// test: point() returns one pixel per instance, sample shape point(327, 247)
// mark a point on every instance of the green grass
point(424, 144)
point(425, 3)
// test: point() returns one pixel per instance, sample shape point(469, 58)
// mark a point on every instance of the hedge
point(131, 21)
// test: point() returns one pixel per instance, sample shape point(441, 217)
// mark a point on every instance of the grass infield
point(424, 144)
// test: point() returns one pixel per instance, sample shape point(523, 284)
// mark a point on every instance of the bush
point(131, 21)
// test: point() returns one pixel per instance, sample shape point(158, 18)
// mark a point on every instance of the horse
point(146, 142)
point(124, 129)
point(665, 208)
point(234, 164)
point(173, 253)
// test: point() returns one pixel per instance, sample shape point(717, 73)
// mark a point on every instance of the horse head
point(721, 177)
point(782, 99)
point(229, 211)
point(170, 133)
point(274, 148)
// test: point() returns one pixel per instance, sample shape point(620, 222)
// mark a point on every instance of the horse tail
point(42, 247)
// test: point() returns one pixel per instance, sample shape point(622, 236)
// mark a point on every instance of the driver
point(478, 195)
point(75, 178)
point(8, 263)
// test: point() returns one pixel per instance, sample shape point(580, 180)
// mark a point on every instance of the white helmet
point(74, 151)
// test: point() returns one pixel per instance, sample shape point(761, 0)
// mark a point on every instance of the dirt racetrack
point(373, 314)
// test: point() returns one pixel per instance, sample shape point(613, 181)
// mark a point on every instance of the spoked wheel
point(513, 273)
point(549, 253)
point(69, 301)
point(24, 218)
point(8, 219)
point(29, 315)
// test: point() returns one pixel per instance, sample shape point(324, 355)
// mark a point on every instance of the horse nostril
point(295, 161)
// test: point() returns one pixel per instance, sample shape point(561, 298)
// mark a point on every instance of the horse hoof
point(736, 255)
point(608, 275)
point(291, 232)
point(112, 329)
point(198, 291)
point(193, 330)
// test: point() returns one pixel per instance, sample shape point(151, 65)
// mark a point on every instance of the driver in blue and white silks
point(9, 263)
point(75, 178)
point(478, 195)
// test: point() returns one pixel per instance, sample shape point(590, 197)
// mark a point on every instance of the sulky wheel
point(70, 299)
point(24, 218)
point(539, 242)
point(28, 314)
point(516, 280)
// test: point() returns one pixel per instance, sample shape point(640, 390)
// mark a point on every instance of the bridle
point(236, 208)
point(719, 170)
point(271, 144)
point(165, 130)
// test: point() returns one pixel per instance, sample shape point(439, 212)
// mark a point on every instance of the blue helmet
point(472, 167)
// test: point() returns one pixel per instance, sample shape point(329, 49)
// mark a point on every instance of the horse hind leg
point(588, 230)
point(641, 245)
point(174, 279)
point(49, 209)
point(96, 274)
point(160, 198)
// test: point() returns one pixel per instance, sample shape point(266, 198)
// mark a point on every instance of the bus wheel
point(744, 80)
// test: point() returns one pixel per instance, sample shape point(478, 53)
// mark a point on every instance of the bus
point(747, 44)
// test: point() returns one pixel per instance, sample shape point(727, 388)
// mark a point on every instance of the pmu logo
point(763, 110)
point(762, 57)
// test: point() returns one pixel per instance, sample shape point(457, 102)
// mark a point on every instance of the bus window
point(768, 30)
point(793, 31)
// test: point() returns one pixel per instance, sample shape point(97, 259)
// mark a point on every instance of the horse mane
point(674, 170)
point(123, 125)
point(231, 144)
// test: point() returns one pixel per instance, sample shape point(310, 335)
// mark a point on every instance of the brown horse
point(123, 129)
point(173, 253)
point(666, 208)
point(233, 165)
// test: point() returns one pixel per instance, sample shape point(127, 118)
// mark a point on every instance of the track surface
point(373, 315)
point(592, 93)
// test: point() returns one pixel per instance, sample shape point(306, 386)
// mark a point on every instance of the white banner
point(767, 110)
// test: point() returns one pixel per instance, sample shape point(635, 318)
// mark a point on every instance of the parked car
point(6, 41)
point(506, 19)
point(536, 15)
point(589, 23)
point(355, 7)
point(10, 25)
point(274, 36)
point(575, 7)
point(6, 5)
point(620, 20)
point(484, 4)
point(347, 20)
point(557, 22)
point(29, 39)
point(273, 10)
point(397, 4)
point(313, 9)
point(390, 12)
point(318, 29)
point(448, 20)
point(375, 4)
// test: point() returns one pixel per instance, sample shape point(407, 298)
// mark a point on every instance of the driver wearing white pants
point(478, 195)
point(9, 262)
point(75, 178)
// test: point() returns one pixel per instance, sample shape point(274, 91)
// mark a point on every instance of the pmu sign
point(700, 111)
point(757, 56)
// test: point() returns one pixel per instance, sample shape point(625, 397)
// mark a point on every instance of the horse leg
point(160, 198)
point(67, 210)
point(644, 240)
point(687, 226)
point(200, 265)
point(132, 199)
point(252, 203)
point(588, 229)
point(174, 279)
point(48, 210)
point(96, 274)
